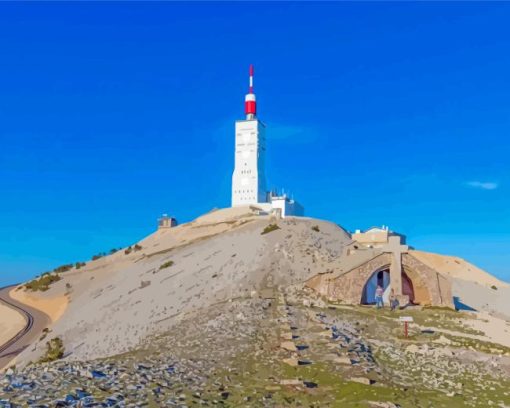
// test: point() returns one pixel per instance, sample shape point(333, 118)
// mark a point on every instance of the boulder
point(361, 380)
point(286, 336)
point(291, 361)
point(342, 360)
point(288, 345)
point(293, 381)
point(412, 348)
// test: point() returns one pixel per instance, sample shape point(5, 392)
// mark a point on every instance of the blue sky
point(377, 113)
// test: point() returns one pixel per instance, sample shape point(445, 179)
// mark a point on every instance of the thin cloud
point(483, 185)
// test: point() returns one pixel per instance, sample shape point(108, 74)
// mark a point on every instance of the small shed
point(165, 221)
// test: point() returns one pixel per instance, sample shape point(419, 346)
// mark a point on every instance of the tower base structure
point(281, 206)
point(286, 206)
point(248, 178)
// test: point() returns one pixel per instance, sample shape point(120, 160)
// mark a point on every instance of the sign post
point(406, 320)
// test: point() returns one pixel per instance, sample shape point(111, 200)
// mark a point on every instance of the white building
point(248, 179)
point(378, 237)
point(286, 206)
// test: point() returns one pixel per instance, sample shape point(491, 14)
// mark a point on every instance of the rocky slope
point(284, 351)
point(117, 301)
point(473, 288)
point(214, 313)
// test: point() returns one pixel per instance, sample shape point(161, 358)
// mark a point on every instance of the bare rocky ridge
point(215, 312)
point(117, 301)
point(235, 353)
point(458, 268)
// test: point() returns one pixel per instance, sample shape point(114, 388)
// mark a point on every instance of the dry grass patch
point(167, 264)
point(270, 228)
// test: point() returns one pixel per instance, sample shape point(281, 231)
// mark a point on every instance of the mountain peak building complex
point(249, 179)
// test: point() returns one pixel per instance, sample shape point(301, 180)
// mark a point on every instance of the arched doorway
point(415, 286)
point(380, 277)
point(407, 287)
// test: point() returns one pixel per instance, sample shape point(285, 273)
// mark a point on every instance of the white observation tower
point(249, 180)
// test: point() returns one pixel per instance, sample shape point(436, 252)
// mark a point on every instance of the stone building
point(385, 261)
point(376, 237)
point(166, 222)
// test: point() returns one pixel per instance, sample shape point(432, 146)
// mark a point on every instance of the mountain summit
point(243, 309)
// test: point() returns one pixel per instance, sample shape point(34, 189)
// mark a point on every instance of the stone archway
point(348, 286)
point(421, 283)
point(408, 287)
point(412, 286)
point(380, 277)
point(419, 288)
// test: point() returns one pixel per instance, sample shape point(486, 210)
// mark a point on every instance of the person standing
point(394, 303)
point(379, 297)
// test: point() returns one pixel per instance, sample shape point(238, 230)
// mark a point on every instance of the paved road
point(36, 322)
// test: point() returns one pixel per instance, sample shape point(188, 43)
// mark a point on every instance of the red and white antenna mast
point(250, 102)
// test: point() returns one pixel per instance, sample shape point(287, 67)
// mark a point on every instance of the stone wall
point(349, 287)
point(430, 288)
point(319, 283)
